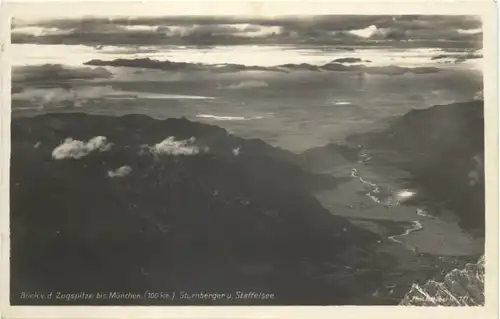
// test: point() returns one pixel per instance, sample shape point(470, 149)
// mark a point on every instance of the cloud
point(252, 30)
point(381, 70)
point(141, 28)
point(56, 72)
point(247, 85)
point(228, 118)
point(237, 30)
point(120, 171)
point(478, 95)
point(170, 146)
point(76, 149)
point(474, 178)
point(366, 32)
point(417, 30)
point(40, 31)
point(470, 31)
point(44, 97)
point(476, 174)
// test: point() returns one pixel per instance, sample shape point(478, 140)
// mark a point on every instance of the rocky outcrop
point(461, 287)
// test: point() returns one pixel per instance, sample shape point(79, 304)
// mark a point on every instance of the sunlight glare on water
point(405, 194)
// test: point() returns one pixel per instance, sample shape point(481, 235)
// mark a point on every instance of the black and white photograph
point(246, 160)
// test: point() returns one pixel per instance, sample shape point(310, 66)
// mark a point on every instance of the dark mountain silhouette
point(148, 63)
point(94, 216)
point(383, 70)
point(349, 60)
point(458, 58)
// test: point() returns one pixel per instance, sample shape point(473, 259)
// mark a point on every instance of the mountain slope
point(128, 204)
point(442, 147)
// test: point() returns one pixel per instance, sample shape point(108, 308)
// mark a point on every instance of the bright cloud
point(177, 30)
point(43, 97)
point(478, 95)
point(76, 149)
point(143, 28)
point(170, 146)
point(247, 85)
point(240, 29)
point(250, 30)
point(40, 31)
point(470, 31)
point(120, 171)
point(365, 33)
point(228, 118)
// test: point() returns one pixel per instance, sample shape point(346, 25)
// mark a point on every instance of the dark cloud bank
point(403, 31)
point(56, 72)
point(50, 75)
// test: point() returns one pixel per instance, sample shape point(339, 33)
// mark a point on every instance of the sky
point(373, 30)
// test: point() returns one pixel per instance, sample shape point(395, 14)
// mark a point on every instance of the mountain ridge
point(171, 203)
point(167, 65)
point(144, 195)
